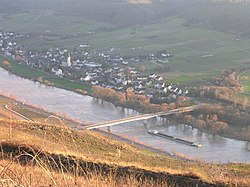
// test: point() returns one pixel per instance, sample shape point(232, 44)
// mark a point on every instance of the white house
point(87, 78)
point(57, 72)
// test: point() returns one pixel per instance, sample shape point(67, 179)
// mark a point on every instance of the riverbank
point(32, 113)
point(43, 77)
point(234, 134)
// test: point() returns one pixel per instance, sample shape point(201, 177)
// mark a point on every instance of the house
point(165, 90)
point(141, 92)
point(170, 87)
point(92, 65)
point(165, 55)
point(120, 88)
point(94, 82)
point(152, 57)
point(160, 78)
point(83, 45)
point(87, 78)
point(125, 83)
point(58, 72)
point(152, 76)
point(140, 86)
point(179, 92)
point(175, 90)
point(125, 62)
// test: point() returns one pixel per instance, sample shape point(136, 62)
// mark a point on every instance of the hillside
point(226, 16)
point(120, 13)
point(55, 151)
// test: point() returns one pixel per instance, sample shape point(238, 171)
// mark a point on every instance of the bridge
point(141, 117)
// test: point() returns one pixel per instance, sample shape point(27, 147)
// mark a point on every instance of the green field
point(197, 50)
point(46, 22)
point(30, 73)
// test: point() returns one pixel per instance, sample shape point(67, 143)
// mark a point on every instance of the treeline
point(134, 101)
point(42, 81)
point(207, 122)
point(216, 119)
point(227, 85)
point(229, 78)
point(216, 92)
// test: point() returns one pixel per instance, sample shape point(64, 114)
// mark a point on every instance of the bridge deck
point(141, 117)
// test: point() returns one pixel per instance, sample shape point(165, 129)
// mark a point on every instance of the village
point(104, 68)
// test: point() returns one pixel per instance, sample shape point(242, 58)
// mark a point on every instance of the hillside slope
point(57, 150)
point(120, 13)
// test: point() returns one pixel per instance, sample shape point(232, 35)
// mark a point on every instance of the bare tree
point(244, 103)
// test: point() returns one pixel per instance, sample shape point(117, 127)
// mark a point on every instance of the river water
point(90, 110)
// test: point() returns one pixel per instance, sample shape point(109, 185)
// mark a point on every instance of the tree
point(128, 72)
point(5, 44)
point(244, 103)
point(142, 68)
point(18, 58)
point(6, 63)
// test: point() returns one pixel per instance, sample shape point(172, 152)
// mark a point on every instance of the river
point(90, 110)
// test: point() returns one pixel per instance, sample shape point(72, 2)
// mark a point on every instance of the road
point(18, 114)
point(8, 115)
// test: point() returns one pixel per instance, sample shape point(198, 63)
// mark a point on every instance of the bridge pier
point(109, 128)
point(162, 120)
point(154, 120)
point(145, 124)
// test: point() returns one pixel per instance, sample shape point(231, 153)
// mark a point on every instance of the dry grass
point(89, 146)
point(15, 174)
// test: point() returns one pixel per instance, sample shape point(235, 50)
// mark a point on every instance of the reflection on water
point(216, 140)
point(215, 148)
point(90, 110)
point(247, 146)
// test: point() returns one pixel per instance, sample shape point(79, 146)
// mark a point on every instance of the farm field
point(199, 53)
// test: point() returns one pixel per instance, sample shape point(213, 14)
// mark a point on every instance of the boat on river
point(156, 133)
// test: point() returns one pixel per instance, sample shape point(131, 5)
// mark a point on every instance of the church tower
point(69, 60)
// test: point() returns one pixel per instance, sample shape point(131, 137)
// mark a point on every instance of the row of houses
point(8, 42)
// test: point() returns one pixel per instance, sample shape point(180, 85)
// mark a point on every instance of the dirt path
point(157, 64)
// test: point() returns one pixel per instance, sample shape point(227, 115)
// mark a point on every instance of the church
point(68, 63)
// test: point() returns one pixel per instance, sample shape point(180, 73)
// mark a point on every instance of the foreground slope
point(57, 151)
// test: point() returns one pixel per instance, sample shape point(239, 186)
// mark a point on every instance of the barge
point(156, 133)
